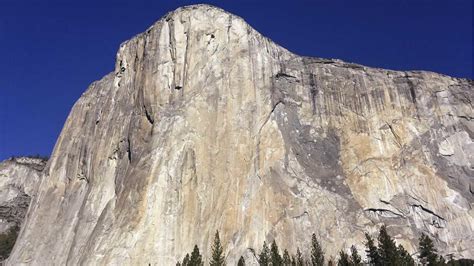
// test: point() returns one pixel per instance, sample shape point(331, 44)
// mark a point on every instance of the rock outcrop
point(205, 124)
point(19, 181)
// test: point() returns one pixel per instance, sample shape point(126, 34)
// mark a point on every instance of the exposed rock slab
point(205, 124)
point(19, 181)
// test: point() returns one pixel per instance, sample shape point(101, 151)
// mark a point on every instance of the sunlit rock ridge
point(205, 124)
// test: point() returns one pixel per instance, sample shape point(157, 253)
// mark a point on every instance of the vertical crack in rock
point(313, 91)
point(148, 115)
point(411, 86)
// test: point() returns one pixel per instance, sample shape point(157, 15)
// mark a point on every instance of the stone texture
point(19, 181)
point(205, 124)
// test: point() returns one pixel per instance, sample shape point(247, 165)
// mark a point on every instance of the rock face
point(19, 180)
point(205, 124)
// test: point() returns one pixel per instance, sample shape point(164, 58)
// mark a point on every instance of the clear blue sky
point(52, 50)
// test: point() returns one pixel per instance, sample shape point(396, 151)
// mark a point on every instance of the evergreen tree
point(264, 257)
point(460, 262)
point(196, 258)
point(405, 258)
point(371, 251)
point(317, 255)
point(185, 260)
point(241, 261)
point(275, 256)
point(343, 259)
point(286, 258)
point(387, 248)
point(428, 253)
point(299, 258)
point(355, 257)
point(217, 257)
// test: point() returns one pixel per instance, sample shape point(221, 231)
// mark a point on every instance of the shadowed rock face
point(205, 124)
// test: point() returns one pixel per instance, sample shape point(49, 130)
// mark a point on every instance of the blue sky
point(52, 50)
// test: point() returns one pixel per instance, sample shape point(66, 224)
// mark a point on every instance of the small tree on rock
point(405, 257)
point(264, 257)
point(275, 256)
point(196, 257)
point(286, 258)
point(372, 251)
point(355, 257)
point(217, 258)
point(299, 258)
point(185, 260)
point(317, 254)
point(343, 259)
point(387, 247)
point(428, 253)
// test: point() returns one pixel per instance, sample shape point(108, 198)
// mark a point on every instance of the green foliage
point(299, 258)
point(264, 257)
point(428, 253)
point(461, 262)
point(355, 257)
point(343, 259)
point(217, 257)
point(317, 254)
point(286, 258)
point(275, 256)
point(196, 258)
point(7, 241)
point(185, 261)
point(387, 248)
point(385, 253)
point(241, 261)
point(372, 251)
point(405, 258)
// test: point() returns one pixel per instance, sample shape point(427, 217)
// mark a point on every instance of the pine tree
point(404, 257)
point(185, 260)
point(299, 258)
point(275, 256)
point(196, 258)
point(217, 257)
point(428, 253)
point(317, 255)
point(286, 258)
point(355, 257)
point(264, 257)
point(343, 259)
point(241, 261)
point(371, 251)
point(387, 248)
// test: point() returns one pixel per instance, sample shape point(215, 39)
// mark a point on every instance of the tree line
point(379, 251)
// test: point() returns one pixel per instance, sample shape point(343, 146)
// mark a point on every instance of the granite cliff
point(205, 124)
point(19, 180)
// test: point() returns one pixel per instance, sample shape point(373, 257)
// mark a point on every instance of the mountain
point(19, 181)
point(205, 124)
